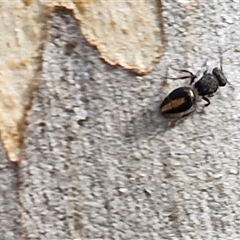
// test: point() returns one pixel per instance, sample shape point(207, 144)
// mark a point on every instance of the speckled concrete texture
point(9, 206)
point(100, 163)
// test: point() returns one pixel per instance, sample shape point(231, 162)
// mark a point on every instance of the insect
point(182, 101)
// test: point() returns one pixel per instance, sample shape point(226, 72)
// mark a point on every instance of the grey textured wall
point(99, 163)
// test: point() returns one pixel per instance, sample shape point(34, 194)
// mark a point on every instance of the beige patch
point(126, 33)
point(21, 31)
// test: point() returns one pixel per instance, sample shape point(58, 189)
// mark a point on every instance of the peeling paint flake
point(20, 65)
point(126, 33)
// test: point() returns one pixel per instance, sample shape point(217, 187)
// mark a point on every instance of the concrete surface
point(99, 161)
point(9, 204)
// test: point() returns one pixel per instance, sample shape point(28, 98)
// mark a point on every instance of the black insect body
point(209, 83)
point(182, 101)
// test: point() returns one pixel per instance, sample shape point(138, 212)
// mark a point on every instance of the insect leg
point(175, 122)
point(183, 77)
point(207, 100)
point(191, 75)
point(182, 70)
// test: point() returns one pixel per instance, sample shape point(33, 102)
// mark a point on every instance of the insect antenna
point(221, 61)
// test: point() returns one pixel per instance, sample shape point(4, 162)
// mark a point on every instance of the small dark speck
point(65, 167)
point(70, 138)
point(42, 124)
point(69, 47)
point(81, 122)
point(147, 192)
point(106, 205)
point(128, 135)
point(69, 110)
point(84, 100)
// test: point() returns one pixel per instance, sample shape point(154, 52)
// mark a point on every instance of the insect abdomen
point(178, 101)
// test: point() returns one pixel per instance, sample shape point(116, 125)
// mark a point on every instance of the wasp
point(182, 101)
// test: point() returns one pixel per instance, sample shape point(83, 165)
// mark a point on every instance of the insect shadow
point(147, 122)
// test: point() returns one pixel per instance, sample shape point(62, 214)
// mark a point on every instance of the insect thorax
point(208, 84)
